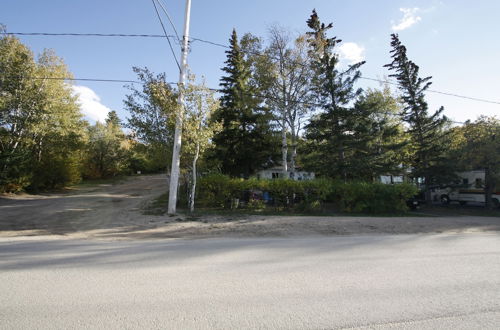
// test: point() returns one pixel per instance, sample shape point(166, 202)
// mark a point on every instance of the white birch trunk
point(193, 185)
point(284, 148)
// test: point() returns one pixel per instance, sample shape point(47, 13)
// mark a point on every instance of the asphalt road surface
point(356, 282)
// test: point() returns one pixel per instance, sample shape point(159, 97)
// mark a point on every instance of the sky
point(454, 41)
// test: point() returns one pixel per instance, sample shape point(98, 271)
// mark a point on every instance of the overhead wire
point(160, 2)
point(227, 47)
point(50, 34)
point(175, 84)
point(166, 35)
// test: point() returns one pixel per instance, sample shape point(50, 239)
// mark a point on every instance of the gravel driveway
point(116, 212)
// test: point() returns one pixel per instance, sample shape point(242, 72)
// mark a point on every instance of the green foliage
point(217, 190)
point(358, 197)
point(41, 130)
point(427, 132)
point(477, 146)
point(329, 133)
point(256, 204)
point(363, 197)
point(245, 141)
point(152, 110)
point(107, 153)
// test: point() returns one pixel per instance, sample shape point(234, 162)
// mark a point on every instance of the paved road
point(375, 282)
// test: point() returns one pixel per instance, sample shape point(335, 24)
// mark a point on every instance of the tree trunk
point(293, 157)
point(39, 157)
point(193, 185)
point(284, 146)
point(488, 188)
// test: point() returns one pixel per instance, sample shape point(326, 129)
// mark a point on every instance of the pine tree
point(378, 134)
point(427, 131)
point(329, 133)
point(245, 141)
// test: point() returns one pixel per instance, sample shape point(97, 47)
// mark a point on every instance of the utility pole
point(174, 172)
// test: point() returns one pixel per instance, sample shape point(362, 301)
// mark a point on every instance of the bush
point(220, 191)
point(216, 190)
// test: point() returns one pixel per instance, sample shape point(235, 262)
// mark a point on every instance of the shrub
point(220, 191)
point(215, 191)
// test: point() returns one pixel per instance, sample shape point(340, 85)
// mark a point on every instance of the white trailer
point(470, 189)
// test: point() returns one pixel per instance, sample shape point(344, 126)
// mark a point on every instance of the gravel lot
point(115, 211)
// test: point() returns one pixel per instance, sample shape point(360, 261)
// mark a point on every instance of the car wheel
point(445, 200)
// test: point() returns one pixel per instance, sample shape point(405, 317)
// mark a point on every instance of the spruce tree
point(245, 141)
point(427, 131)
point(378, 134)
point(329, 133)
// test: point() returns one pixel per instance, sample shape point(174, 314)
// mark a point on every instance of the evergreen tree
point(427, 131)
point(379, 136)
point(245, 142)
point(329, 133)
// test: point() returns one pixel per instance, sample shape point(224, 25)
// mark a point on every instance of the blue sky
point(455, 41)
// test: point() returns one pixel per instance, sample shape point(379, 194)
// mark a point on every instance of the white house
point(276, 172)
point(391, 179)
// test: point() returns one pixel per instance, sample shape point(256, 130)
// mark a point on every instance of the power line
point(160, 2)
point(86, 79)
point(364, 78)
point(227, 47)
point(166, 35)
point(175, 84)
point(89, 35)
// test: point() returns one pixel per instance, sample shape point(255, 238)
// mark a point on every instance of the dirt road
point(81, 211)
point(116, 212)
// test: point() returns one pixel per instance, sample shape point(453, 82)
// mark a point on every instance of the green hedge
point(220, 191)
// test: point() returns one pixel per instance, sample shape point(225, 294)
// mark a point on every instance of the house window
point(479, 183)
point(465, 182)
point(275, 175)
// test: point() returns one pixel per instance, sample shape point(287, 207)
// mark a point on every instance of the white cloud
point(90, 103)
point(351, 52)
point(410, 18)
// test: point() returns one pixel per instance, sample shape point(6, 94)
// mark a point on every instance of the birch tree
point(198, 130)
point(287, 91)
